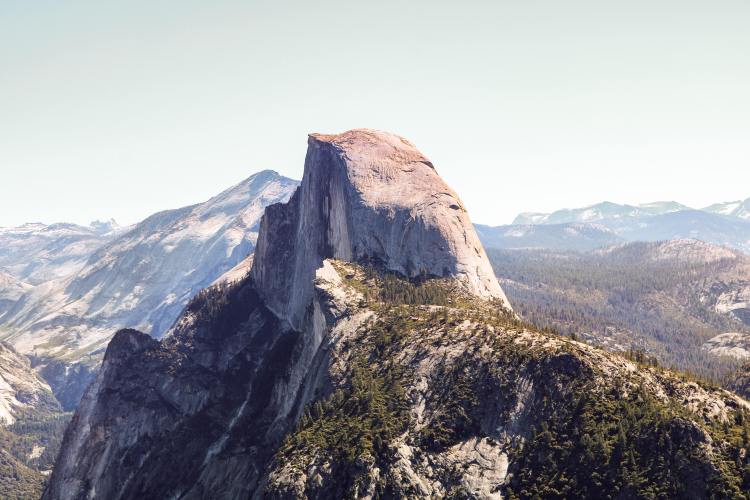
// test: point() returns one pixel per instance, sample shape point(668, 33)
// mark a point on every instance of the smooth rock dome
point(367, 195)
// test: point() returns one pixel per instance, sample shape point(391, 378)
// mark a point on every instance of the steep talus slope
point(31, 427)
point(141, 279)
point(20, 388)
point(389, 371)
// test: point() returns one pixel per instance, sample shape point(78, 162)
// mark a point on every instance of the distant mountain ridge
point(600, 211)
point(65, 288)
point(607, 223)
point(573, 236)
point(738, 208)
point(141, 277)
point(34, 253)
point(11, 289)
point(608, 210)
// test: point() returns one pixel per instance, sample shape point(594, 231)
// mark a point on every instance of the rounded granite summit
point(367, 195)
point(384, 168)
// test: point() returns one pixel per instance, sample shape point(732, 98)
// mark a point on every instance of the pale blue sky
point(120, 109)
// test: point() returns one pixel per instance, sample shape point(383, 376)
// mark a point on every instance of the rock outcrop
point(367, 196)
point(252, 353)
point(21, 389)
point(369, 353)
point(31, 427)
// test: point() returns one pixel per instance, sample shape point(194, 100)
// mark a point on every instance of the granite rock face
point(317, 376)
point(31, 426)
point(366, 196)
point(251, 353)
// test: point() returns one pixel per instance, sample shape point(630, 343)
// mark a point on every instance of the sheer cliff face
point(367, 196)
point(316, 376)
point(251, 355)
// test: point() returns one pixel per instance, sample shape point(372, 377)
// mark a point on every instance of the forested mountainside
point(142, 277)
point(740, 381)
point(668, 299)
point(419, 382)
point(386, 370)
point(31, 427)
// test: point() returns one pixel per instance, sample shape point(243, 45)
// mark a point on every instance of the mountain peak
point(738, 208)
point(369, 143)
point(367, 196)
point(266, 175)
point(599, 211)
point(104, 227)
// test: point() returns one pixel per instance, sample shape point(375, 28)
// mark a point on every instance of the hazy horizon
point(106, 219)
point(120, 111)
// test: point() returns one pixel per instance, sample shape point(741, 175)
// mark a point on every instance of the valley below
point(676, 301)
